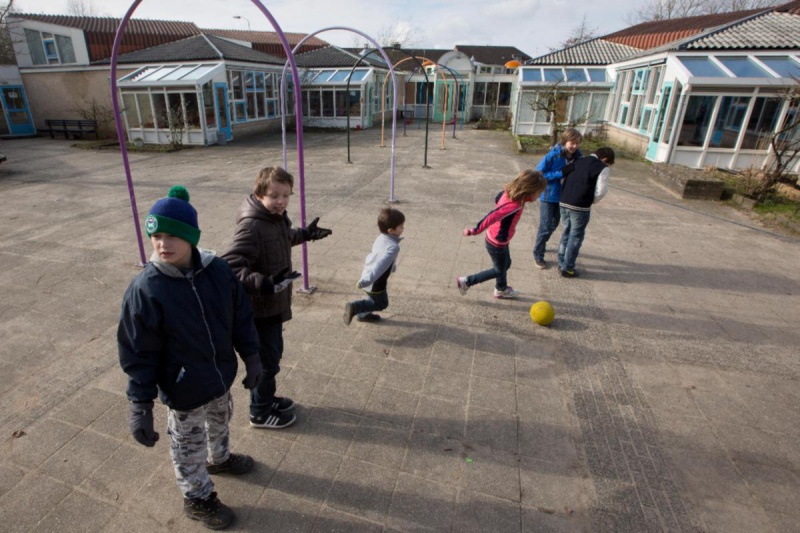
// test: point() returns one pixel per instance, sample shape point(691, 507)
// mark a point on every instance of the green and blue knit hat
point(174, 215)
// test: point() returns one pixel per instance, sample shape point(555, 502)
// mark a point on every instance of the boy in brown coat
point(261, 257)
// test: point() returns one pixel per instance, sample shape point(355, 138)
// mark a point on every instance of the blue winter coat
point(550, 166)
point(177, 333)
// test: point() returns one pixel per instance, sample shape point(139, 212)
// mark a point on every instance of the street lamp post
point(243, 18)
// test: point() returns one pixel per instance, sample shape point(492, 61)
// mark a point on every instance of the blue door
point(223, 113)
point(17, 113)
point(658, 120)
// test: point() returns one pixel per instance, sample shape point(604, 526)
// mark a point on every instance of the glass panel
point(479, 96)
point(355, 103)
point(340, 100)
point(201, 71)
point(19, 118)
point(176, 111)
point(662, 113)
point(272, 105)
point(208, 106)
point(553, 74)
point(192, 111)
point(179, 73)
point(792, 134)
point(762, 123)
point(34, 40)
point(341, 75)
point(250, 82)
point(50, 49)
point(742, 67)
point(702, 66)
point(314, 104)
point(531, 74)
point(676, 90)
point(65, 49)
point(323, 76)
point(695, 121)
point(491, 94)
point(129, 103)
point(13, 98)
point(576, 74)
point(729, 121)
point(221, 102)
point(359, 75)
point(237, 85)
point(239, 112)
point(598, 109)
point(139, 74)
point(259, 81)
point(525, 109)
point(145, 110)
point(160, 73)
point(252, 106)
point(327, 103)
point(160, 111)
point(504, 96)
point(580, 108)
point(597, 74)
point(269, 85)
point(784, 66)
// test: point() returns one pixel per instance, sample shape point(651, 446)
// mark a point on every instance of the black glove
point(280, 281)
point(253, 372)
point(314, 233)
point(567, 170)
point(141, 423)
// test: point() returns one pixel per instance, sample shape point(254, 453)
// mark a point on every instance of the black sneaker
point(282, 405)
point(370, 317)
point(540, 263)
point(569, 274)
point(236, 464)
point(211, 512)
point(349, 312)
point(273, 420)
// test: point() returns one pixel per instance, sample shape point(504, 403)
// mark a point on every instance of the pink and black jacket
point(501, 222)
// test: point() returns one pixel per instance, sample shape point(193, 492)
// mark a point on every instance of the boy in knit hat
point(182, 318)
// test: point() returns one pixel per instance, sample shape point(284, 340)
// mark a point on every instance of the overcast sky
point(533, 26)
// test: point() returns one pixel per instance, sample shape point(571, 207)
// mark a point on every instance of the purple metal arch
point(298, 92)
point(121, 134)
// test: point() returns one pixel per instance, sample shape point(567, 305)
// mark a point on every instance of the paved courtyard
point(664, 397)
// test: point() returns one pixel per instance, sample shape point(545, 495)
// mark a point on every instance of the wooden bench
point(75, 126)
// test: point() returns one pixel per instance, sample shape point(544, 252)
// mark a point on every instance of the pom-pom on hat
point(174, 215)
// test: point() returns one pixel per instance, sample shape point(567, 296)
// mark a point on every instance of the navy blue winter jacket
point(177, 332)
point(550, 166)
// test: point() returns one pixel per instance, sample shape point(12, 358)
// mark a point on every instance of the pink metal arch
point(298, 92)
point(124, 150)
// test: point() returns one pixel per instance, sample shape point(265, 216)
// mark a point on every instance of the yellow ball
point(542, 313)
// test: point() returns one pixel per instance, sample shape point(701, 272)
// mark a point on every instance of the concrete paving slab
point(663, 398)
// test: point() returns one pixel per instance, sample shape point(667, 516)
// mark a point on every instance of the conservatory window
point(696, 120)
point(743, 67)
point(762, 123)
point(702, 66)
point(531, 74)
point(784, 66)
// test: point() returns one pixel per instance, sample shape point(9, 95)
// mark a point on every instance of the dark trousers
point(549, 217)
point(270, 335)
point(375, 301)
point(501, 262)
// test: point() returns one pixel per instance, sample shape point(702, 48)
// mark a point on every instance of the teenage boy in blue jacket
point(182, 317)
point(550, 166)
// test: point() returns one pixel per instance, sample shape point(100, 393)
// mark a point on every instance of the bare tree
point(7, 56)
point(81, 8)
point(553, 100)
point(580, 33)
point(651, 10)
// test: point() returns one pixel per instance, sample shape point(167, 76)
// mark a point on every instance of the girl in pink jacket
point(500, 224)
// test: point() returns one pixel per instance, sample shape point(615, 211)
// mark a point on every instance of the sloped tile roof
point(768, 31)
point(197, 48)
point(660, 32)
point(593, 52)
point(333, 56)
point(396, 56)
point(492, 55)
point(110, 24)
point(266, 37)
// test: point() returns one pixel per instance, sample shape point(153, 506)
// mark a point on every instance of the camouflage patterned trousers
point(198, 436)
